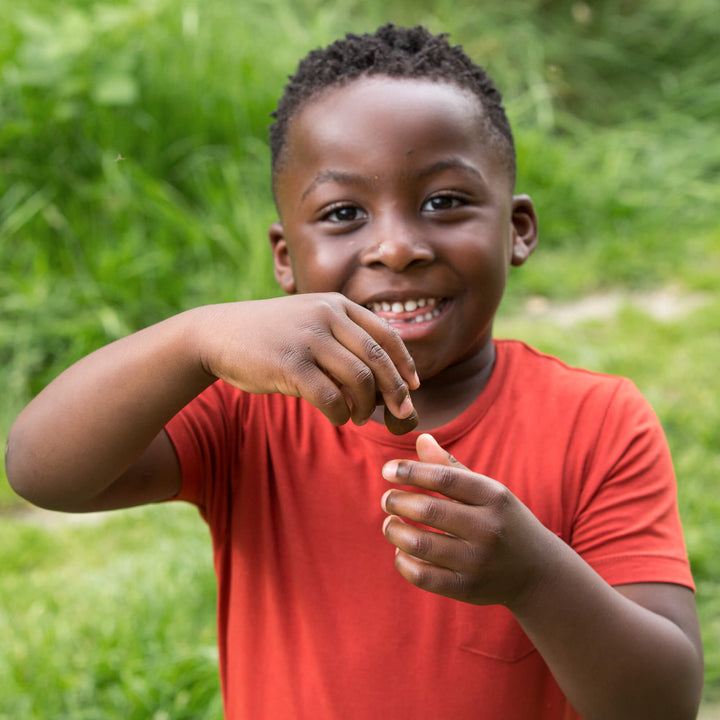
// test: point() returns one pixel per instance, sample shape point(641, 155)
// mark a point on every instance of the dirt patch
point(50, 519)
point(665, 305)
point(709, 712)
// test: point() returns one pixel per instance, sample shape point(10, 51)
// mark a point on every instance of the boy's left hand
point(485, 547)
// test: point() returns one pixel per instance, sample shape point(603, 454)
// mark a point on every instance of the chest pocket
point(492, 632)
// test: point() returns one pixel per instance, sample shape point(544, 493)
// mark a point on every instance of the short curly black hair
point(396, 52)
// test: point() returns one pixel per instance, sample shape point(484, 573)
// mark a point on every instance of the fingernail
point(389, 470)
point(407, 407)
point(385, 522)
point(416, 381)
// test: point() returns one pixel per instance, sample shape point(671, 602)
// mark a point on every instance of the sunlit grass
point(108, 620)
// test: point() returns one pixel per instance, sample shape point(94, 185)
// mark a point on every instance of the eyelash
point(334, 209)
point(456, 200)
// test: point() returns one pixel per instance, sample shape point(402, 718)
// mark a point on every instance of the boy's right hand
point(93, 438)
point(336, 354)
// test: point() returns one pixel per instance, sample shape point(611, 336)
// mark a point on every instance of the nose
point(397, 245)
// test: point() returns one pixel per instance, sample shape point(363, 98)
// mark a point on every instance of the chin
point(428, 367)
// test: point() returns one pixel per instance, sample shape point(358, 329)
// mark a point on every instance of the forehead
point(388, 123)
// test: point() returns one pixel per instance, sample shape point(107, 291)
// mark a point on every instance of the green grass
point(614, 108)
point(112, 620)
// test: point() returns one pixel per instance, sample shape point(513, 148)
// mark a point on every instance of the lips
point(413, 310)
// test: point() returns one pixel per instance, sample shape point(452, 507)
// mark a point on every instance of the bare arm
point(93, 439)
point(94, 423)
point(628, 652)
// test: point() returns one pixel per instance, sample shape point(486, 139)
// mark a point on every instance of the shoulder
point(540, 372)
point(559, 396)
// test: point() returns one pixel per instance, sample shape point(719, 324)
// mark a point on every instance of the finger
point(390, 341)
point(429, 451)
point(315, 386)
point(430, 577)
point(438, 548)
point(454, 482)
point(386, 354)
point(354, 378)
point(458, 519)
point(388, 381)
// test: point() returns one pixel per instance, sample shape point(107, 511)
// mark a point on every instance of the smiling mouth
point(408, 311)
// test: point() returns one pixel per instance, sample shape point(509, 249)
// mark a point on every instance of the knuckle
point(334, 304)
point(495, 533)
point(293, 356)
point(420, 574)
point(503, 498)
point(392, 333)
point(328, 397)
point(398, 389)
point(445, 479)
point(420, 545)
point(363, 377)
point(475, 557)
point(461, 584)
point(305, 370)
point(431, 511)
point(373, 350)
point(316, 329)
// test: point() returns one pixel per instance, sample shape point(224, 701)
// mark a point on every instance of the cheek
point(485, 264)
point(323, 266)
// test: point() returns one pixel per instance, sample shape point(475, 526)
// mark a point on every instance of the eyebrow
point(453, 163)
point(338, 176)
point(348, 178)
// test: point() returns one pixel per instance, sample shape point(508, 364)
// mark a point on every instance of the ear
point(524, 229)
point(281, 258)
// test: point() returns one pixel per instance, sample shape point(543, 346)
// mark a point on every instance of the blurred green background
point(615, 109)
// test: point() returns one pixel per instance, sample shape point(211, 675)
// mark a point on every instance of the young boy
point(541, 574)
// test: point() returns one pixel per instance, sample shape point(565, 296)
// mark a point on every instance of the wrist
point(547, 559)
point(199, 339)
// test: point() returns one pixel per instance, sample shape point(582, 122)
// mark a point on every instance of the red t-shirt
point(314, 620)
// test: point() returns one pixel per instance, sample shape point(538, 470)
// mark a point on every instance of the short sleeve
point(202, 434)
point(627, 525)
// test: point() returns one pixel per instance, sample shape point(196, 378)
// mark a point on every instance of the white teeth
point(397, 307)
point(408, 306)
point(427, 316)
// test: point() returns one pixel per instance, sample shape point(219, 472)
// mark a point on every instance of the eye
point(442, 202)
point(344, 214)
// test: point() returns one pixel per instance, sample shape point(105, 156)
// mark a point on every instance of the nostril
point(397, 249)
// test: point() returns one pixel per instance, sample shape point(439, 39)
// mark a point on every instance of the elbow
point(16, 469)
point(24, 472)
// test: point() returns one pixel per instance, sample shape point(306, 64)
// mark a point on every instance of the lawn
point(134, 183)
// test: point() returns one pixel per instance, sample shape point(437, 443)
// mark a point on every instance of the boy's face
point(394, 195)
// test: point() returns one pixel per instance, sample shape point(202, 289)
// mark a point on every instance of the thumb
point(429, 451)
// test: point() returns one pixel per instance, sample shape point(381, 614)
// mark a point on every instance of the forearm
point(94, 426)
point(96, 419)
point(613, 658)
